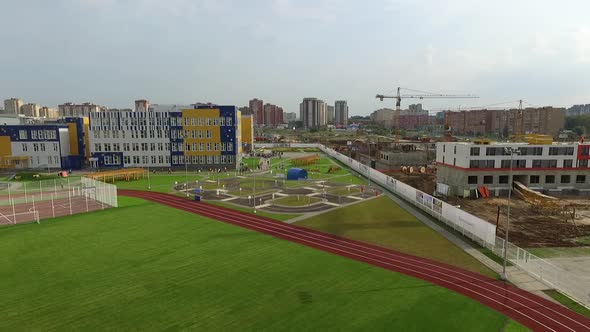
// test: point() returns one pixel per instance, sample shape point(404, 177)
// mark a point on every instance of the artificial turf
point(275, 216)
point(147, 267)
point(381, 221)
point(159, 182)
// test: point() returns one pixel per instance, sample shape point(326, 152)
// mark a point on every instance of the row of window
point(51, 160)
point(98, 134)
point(38, 134)
point(203, 160)
point(118, 147)
point(201, 121)
point(40, 147)
point(521, 163)
point(533, 179)
point(523, 151)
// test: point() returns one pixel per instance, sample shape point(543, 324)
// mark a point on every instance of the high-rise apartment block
point(312, 112)
point(78, 110)
point(142, 105)
point(13, 105)
point(341, 113)
point(257, 108)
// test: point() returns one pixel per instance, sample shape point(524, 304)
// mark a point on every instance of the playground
point(320, 184)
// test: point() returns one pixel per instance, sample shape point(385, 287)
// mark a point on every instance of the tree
point(505, 132)
point(579, 130)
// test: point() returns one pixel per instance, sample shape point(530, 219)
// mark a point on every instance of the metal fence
point(22, 202)
point(575, 286)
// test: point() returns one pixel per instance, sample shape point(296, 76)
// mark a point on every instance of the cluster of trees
point(579, 124)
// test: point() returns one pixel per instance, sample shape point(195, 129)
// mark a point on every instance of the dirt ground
point(423, 182)
point(528, 227)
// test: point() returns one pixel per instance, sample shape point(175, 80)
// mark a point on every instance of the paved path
point(524, 307)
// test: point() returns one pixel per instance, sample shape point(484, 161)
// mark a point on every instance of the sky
point(112, 52)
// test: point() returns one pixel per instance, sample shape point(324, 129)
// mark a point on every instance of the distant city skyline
point(112, 52)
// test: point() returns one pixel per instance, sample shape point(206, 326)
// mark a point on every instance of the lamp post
point(186, 176)
point(148, 176)
point(512, 151)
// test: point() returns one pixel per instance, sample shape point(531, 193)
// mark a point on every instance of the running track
point(528, 309)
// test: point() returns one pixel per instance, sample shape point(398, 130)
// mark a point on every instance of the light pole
point(185, 176)
point(254, 192)
point(512, 152)
point(148, 176)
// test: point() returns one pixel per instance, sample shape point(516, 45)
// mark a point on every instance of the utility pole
point(512, 152)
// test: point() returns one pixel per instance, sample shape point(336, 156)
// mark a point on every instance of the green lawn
point(566, 301)
point(560, 252)
point(381, 221)
point(276, 216)
point(159, 182)
point(297, 200)
point(344, 191)
point(146, 267)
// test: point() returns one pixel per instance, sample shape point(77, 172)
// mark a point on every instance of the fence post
point(13, 212)
point(33, 199)
point(52, 206)
point(86, 197)
point(70, 199)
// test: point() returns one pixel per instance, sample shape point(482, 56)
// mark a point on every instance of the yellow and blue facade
point(41, 146)
point(196, 136)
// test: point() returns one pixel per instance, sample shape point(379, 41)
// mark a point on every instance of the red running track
point(530, 310)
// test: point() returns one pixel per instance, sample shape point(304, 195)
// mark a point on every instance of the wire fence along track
point(472, 227)
point(22, 202)
point(528, 309)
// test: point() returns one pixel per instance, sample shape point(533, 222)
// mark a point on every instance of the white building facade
point(558, 168)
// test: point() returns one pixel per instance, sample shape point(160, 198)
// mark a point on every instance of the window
point(565, 179)
point(544, 163)
point(193, 121)
point(208, 146)
point(580, 178)
point(202, 147)
point(188, 147)
point(125, 146)
point(549, 178)
point(136, 159)
point(152, 146)
point(585, 150)
point(482, 164)
point(567, 163)
point(495, 152)
point(24, 147)
point(22, 134)
point(561, 151)
point(488, 179)
point(127, 160)
point(503, 179)
point(207, 121)
point(475, 151)
point(33, 134)
point(160, 159)
point(222, 121)
point(107, 147)
point(201, 121)
point(534, 179)
point(209, 134)
point(97, 147)
point(472, 180)
point(160, 146)
point(96, 134)
point(153, 159)
point(35, 146)
point(42, 145)
point(215, 121)
point(528, 151)
point(229, 121)
point(216, 147)
point(230, 146)
point(55, 146)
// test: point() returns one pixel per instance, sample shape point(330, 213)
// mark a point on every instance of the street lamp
point(186, 176)
point(512, 151)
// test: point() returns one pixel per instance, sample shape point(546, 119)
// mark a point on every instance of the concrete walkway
point(516, 276)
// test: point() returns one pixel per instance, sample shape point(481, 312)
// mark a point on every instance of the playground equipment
point(127, 174)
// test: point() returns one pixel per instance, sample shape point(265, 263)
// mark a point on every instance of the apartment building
point(384, 116)
point(194, 136)
point(31, 110)
point(557, 168)
point(312, 112)
point(341, 113)
point(13, 105)
point(79, 110)
point(502, 123)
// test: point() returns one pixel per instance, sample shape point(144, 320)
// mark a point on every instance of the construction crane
point(422, 95)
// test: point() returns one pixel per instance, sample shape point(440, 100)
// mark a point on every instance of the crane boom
point(399, 97)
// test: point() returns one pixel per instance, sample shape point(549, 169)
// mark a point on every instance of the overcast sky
point(228, 51)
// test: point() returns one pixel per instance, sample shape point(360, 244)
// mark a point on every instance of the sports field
point(148, 267)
